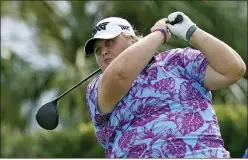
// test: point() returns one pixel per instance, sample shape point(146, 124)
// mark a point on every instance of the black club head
point(47, 116)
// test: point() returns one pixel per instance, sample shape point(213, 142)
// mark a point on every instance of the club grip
point(178, 19)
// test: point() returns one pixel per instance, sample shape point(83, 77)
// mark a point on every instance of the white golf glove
point(183, 29)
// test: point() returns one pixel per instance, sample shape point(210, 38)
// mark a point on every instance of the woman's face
point(106, 50)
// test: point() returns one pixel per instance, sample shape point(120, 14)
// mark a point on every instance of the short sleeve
point(195, 64)
point(92, 105)
point(187, 60)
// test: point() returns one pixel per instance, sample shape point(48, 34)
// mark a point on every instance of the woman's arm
point(225, 65)
point(124, 69)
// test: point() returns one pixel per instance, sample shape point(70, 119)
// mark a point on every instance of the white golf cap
point(106, 29)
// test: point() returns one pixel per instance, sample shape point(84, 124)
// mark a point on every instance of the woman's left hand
point(182, 28)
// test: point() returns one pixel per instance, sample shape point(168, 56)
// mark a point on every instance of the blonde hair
point(137, 36)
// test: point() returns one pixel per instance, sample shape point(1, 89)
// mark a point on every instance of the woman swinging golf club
point(155, 106)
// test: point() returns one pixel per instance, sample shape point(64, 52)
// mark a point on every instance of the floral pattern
point(167, 112)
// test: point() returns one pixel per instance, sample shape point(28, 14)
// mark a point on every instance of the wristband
point(164, 33)
point(190, 31)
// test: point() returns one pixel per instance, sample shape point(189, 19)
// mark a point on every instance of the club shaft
point(92, 74)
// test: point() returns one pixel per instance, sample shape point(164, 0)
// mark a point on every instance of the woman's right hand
point(161, 24)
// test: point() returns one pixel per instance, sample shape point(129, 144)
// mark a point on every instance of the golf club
point(178, 19)
point(48, 115)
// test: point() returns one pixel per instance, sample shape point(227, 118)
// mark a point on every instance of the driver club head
point(47, 116)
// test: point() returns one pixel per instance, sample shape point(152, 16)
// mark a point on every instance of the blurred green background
point(42, 56)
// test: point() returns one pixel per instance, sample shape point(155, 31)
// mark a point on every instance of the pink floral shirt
point(167, 113)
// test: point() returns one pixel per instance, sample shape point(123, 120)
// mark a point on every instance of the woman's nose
point(104, 52)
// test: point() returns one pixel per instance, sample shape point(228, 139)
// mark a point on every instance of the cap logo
point(123, 27)
point(99, 27)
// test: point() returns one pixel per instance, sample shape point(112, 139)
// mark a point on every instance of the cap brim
point(89, 45)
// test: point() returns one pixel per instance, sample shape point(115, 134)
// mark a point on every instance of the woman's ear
point(133, 39)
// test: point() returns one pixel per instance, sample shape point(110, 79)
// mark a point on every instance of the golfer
point(158, 105)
